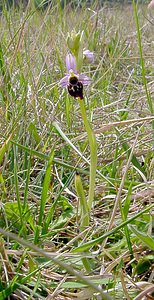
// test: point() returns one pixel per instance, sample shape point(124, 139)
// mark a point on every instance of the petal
point(84, 79)
point(64, 81)
point(70, 63)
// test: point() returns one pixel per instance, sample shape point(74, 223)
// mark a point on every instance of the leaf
point(143, 266)
point(4, 148)
point(2, 183)
point(145, 238)
point(12, 213)
point(77, 285)
point(46, 184)
point(63, 219)
point(64, 203)
point(33, 131)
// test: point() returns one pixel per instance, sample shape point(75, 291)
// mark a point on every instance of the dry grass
point(118, 241)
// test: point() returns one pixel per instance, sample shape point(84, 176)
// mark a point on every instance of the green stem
point(93, 154)
point(84, 215)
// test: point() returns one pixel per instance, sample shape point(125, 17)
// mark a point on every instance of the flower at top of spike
point(88, 56)
point(73, 80)
point(151, 5)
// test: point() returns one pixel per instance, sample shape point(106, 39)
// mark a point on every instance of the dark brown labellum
point(73, 80)
point(76, 91)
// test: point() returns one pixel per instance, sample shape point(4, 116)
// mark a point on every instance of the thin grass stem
point(17, 186)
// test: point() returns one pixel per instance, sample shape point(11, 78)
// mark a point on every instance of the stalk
point(93, 154)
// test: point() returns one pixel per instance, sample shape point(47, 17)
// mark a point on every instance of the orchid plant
point(74, 81)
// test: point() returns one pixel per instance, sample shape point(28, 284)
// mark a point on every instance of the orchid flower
point(151, 5)
point(73, 80)
point(89, 56)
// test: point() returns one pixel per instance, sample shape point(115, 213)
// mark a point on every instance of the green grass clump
point(43, 144)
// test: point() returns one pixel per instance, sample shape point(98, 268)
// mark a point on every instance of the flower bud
point(75, 44)
point(73, 41)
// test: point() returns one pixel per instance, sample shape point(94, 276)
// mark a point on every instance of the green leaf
point(46, 184)
point(77, 285)
point(64, 203)
point(12, 211)
point(143, 265)
point(4, 148)
point(66, 215)
point(2, 183)
point(13, 214)
point(33, 131)
point(63, 219)
point(145, 238)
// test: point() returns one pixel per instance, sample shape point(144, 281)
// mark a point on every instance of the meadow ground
point(45, 252)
